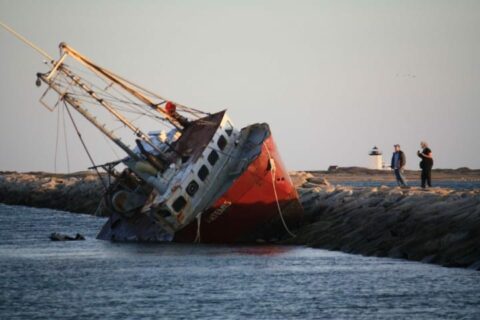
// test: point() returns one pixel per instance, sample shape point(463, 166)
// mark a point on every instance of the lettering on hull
point(218, 212)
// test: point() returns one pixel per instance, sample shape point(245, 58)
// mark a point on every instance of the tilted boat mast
point(60, 69)
point(174, 118)
point(86, 114)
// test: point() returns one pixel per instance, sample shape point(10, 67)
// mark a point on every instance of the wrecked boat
point(193, 178)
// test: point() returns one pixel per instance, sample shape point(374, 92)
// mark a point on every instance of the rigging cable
point(85, 146)
point(65, 139)
point(110, 146)
point(56, 141)
point(102, 70)
point(106, 95)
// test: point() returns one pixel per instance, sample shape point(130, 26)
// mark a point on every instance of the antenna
point(25, 40)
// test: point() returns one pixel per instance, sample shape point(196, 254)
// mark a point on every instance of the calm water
point(94, 279)
point(459, 185)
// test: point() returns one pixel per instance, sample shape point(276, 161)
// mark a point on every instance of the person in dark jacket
point(426, 164)
point(398, 163)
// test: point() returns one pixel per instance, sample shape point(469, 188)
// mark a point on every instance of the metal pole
point(109, 75)
point(107, 106)
point(71, 101)
point(25, 40)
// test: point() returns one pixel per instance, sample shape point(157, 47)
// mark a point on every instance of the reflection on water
point(104, 280)
point(262, 250)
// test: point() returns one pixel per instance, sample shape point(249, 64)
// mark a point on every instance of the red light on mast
point(170, 107)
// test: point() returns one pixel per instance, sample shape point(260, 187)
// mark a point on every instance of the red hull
point(249, 207)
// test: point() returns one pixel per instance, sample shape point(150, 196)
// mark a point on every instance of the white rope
point(98, 211)
point(273, 169)
point(199, 220)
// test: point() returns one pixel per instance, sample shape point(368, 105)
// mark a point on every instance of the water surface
point(458, 185)
point(95, 279)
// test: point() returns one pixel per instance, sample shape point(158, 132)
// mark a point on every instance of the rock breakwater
point(77, 192)
point(436, 225)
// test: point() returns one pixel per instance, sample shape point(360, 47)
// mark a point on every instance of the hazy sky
point(332, 78)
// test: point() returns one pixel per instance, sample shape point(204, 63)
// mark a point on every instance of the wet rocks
point(55, 236)
point(437, 225)
point(79, 192)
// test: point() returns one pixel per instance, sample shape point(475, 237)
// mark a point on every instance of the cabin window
point(203, 173)
point(179, 204)
point(228, 128)
point(213, 157)
point(222, 142)
point(192, 188)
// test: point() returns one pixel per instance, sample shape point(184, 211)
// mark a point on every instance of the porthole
point(213, 157)
point(192, 188)
point(203, 173)
point(222, 142)
point(179, 204)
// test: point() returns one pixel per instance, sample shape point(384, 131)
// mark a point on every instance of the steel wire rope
point(56, 141)
point(87, 99)
point(112, 99)
point(144, 90)
point(22, 38)
point(108, 142)
point(65, 140)
point(129, 102)
point(149, 93)
point(85, 146)
point(104, 91)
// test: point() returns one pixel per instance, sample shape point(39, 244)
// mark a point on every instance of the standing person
point(398, 163)
point(426, 164)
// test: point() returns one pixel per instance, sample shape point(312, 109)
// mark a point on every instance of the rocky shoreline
point(437, 225)
point(79, 192)
point(358, 174)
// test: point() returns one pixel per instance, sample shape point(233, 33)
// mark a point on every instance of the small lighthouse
point(376, 159)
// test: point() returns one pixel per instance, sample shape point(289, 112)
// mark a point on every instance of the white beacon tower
point(376, 159)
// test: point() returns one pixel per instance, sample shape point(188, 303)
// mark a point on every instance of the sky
point(331, 78)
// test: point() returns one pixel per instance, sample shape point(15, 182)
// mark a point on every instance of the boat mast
point(174, 118)
point(27, 42)
point(77, 80)
point(77, 106)
point(58, 67)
